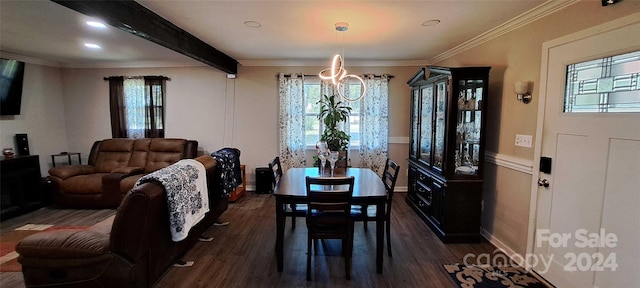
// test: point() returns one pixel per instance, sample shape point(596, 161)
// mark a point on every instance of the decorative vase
point(8, 152)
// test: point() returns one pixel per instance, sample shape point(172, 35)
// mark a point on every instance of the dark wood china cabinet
point(447, 149)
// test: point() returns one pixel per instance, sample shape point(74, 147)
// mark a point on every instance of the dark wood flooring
point(242, 254)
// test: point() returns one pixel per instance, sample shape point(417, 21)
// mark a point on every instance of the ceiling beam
point(136, 19)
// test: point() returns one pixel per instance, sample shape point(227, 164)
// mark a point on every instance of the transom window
point(314, 127)
point(606, 85)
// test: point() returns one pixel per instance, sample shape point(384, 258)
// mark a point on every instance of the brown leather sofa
point(113, 168)
point(136, 253)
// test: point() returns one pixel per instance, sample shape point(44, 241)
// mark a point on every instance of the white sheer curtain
point(374, 123)
point(292, 117)
point(134, 108)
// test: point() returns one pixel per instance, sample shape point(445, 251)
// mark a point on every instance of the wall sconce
point(521, 88)
point(609, 2)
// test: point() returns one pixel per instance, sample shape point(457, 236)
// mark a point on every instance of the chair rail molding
point(398, 140)
point(513, 163)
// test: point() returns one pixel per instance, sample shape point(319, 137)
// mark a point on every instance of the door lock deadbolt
point(543, 183)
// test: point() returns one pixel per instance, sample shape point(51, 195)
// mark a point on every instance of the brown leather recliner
point(113, 168)
point(136, 253)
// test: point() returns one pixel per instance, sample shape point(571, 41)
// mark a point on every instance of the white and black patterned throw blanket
point(187, 195)
point(228, 170)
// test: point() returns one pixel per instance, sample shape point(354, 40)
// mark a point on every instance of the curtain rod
point(316, 75)
point(132, 77)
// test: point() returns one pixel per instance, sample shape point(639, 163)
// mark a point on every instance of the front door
point(587, 225)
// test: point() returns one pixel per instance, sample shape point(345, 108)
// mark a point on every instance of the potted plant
point(332, 112)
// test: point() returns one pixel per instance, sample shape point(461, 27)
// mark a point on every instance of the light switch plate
point(524, 140)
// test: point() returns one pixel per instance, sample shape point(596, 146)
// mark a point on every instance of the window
point(313, 126)
point(143, 107)
point(606, 85)
point(300, 128)
point(137, 107)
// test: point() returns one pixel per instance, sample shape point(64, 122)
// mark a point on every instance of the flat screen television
point(11, 86)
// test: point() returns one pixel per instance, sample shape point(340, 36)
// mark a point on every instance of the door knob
point(543, 183)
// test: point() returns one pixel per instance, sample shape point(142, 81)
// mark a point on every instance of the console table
point(21, 185)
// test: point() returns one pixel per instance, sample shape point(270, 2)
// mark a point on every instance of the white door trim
point(546, 47)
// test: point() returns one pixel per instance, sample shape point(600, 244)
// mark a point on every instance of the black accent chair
point(329, 215)
point(364, 214)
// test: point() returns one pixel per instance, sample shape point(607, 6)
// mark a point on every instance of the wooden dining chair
point(276, 169)
point(363, 213)
point(293, 210)
point(328, 215)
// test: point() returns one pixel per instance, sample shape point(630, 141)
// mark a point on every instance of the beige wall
point(256, 122)
point(41, 116)
point(203, 104)
point(195, 104)
point(516, 56)
point(72, 109)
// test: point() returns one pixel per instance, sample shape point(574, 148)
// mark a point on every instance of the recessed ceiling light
point(432, 22)
point(92, 46)
point(96, 24)
point(252, 24)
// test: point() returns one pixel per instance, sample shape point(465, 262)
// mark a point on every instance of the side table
point(68, 154)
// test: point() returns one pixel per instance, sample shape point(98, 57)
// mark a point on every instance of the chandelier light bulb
point(337, 73)
point(336, 70)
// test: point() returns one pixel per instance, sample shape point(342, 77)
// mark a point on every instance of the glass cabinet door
point(415, 106)
point(468, 127)
point(441, 106)
point(426, 122)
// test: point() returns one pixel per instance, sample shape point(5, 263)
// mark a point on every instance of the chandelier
point(338, 74)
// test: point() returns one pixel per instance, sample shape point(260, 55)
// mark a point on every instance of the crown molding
point(133, 64)
point(30, 60)
point(351, 63)
point(541, 11)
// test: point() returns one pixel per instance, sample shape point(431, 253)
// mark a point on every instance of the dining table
point(368, 189)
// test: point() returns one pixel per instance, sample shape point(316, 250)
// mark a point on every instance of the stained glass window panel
point(606, 85)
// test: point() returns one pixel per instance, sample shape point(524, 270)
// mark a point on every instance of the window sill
point(351, 148)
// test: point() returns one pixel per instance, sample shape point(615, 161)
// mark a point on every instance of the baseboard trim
point(510, 253)
point(401, 189)
point(499, 244)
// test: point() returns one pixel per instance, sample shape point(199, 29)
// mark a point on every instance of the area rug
point(485, 276)
point(8, 241)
